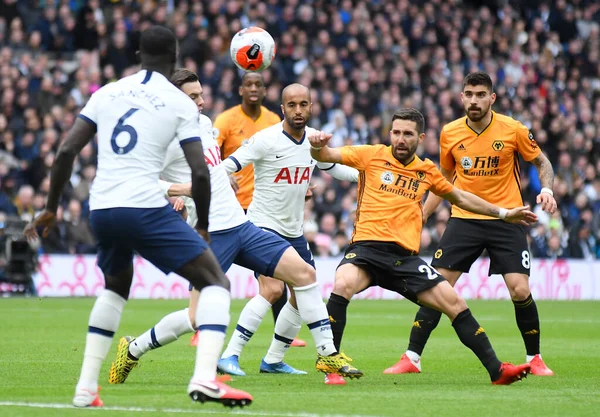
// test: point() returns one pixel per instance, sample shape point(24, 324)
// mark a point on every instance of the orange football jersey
point(235, 127)
point(487, 164)
point(390, 194)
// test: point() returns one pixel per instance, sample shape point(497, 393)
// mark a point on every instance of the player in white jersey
point(282, 171)
point(234, 239)
point(136, 118)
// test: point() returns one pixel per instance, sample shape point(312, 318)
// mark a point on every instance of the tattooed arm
point(546, 175)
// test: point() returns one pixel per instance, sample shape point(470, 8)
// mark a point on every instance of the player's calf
point(270, 289)
point(350, 280)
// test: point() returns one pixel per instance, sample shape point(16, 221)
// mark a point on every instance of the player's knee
point(344, 286)
point(461, 304)
point(271, 290)
point(520, 291)
point(456, 307)
point(119, 284)
point(208, 280)
point(306, 276)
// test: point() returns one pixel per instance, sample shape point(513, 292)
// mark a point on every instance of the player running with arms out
point(387, 233)
point(235, 126)
point(479, 154)
point(136, 118)
point(233, 239)
point(283, 168)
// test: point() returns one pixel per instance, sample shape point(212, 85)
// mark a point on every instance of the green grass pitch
point(42, 341)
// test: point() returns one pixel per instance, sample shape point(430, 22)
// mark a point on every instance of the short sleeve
point(221, 126)
point(91, 110)
point(164, 187)
point(357, 156)
point(526, 144)
point(255, 149)
point(189, 127)
point(439, 184)
point(447, 160)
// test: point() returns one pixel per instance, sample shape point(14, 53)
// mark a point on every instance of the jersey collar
point(262, 111)
point(486, 128)
point(294, 140)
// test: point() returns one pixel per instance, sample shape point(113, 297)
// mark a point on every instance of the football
point(252, 49)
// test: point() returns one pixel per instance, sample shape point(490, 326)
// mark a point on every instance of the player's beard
point(296, 124)
point(479, 114)
point(407, 154)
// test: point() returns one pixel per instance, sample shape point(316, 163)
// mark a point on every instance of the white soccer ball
point(252, 49)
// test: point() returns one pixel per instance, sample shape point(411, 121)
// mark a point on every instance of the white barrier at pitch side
point(69, 276)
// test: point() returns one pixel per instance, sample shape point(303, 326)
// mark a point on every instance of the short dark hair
point(413, 115)
point(247, 74)
point(158, 42)
point(183, 76)
point(479, 78)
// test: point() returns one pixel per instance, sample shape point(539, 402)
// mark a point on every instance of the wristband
point(315, 148)
point(547, 191)
point(502, 212)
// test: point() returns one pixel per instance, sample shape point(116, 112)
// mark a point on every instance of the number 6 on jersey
point(123, 128)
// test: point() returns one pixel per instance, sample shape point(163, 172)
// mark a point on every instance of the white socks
point(413, 356)
point(103, 323)
point(287, 326)
point(314, 313)
point(250, 318)
point(167, 330)
point(212, 319)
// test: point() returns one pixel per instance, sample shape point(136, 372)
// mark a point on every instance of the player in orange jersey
point(387, 233)
point(479, 154)
point(236, 125)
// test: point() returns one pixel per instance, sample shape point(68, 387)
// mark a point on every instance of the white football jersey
point(136, 118)
point(282, 172)
point(225, 211)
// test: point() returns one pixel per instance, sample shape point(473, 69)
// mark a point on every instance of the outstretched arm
point(474, 204)
point(171, 189)
point(319, 149)
point(338, 171)
point(546, 175)
point(255, 149)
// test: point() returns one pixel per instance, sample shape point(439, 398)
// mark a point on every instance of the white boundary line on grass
point(241, 412)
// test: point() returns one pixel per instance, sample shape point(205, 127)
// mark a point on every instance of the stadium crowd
point(363, 60)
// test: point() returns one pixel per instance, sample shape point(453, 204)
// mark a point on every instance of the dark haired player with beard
point(387, 233)
point(479, 154)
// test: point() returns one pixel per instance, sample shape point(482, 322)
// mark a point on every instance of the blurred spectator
point(24, 203)
point(58, 237)
point(555, 249)
point(362, 59)
point(79, 235)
